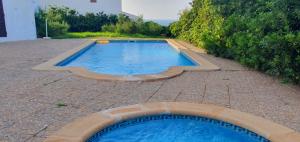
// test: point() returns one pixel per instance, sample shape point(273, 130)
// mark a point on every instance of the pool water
point(128, 58)
point(175, 128)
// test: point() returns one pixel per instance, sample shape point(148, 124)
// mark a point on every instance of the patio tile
point(246, 102)
point(217, 94)
point(194, 91)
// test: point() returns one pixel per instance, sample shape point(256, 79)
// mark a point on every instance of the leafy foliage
point(62, 20)
point(263, 34)
point(56, 25)
point(103, 34)
point(79, 23)
point(151, 28)
point(70, 20)
point(126, 25)
point(40, 22)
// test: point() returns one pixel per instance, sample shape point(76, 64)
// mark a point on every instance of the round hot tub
point(173, 122)
point(175, 128)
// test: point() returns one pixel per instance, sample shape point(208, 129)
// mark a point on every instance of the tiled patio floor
point(29, 99)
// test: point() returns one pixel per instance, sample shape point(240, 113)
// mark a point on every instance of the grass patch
point(102, 34)
point(61, 104)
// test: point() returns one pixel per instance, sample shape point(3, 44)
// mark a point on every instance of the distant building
point(17, 20)
point(84, 6)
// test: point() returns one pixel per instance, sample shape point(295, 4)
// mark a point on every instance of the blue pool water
point(128, 58)
point(175, 128)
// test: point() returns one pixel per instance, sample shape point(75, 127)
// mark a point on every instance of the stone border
point(171, 72)
point(82, 129)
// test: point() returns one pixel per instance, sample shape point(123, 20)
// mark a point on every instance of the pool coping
point(171, 72)
point(81, 129)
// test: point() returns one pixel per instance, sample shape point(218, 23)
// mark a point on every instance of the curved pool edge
point(83, 128)
point(171, 72)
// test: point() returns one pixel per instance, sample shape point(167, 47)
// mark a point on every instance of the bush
point(62, 20)
point(151, 28)
point(109, 28)
point(76, 22)
point(89, 22)
point(56, 25)
point(260, 34)
point(40, 23)
point(126, 25)
point(57, 28)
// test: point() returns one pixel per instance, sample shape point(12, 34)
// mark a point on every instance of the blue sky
point(155, 9)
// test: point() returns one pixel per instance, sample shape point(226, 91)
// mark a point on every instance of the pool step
point(102, 41)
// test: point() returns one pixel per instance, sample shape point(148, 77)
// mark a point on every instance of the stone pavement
point(31, 102)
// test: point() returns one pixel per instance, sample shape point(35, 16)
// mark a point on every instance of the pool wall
point(82, 129)
point(204, 65)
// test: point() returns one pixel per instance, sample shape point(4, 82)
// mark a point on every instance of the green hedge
point(63, 19)
point(262, 34)
point(89, 22)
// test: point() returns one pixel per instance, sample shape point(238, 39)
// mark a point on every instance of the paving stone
point(13, 135)
point(170, 89)
point(245, 102)
point(142, 93)
point(217, 94)
point(194, 91)
point(13, 109)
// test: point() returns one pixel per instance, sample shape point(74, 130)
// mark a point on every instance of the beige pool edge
point(171, 72)
point(80, 130)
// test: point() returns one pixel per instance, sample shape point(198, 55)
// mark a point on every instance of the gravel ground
point(29, 99)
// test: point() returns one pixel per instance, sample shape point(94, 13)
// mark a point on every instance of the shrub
point(40, 23)
point(138, 26)
point(88, 22)
point(62, 20)
point(109, 28)
point(77, 22)
point(127, 27)
point(56, 25)
point(57, 28)
point(151, 28)
point(260, 34)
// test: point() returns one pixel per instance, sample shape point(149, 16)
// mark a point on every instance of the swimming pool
point(128, 58)
point(175, 128)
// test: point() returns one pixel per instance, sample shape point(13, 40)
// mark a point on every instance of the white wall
point(19, 20)
point(83, 6)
